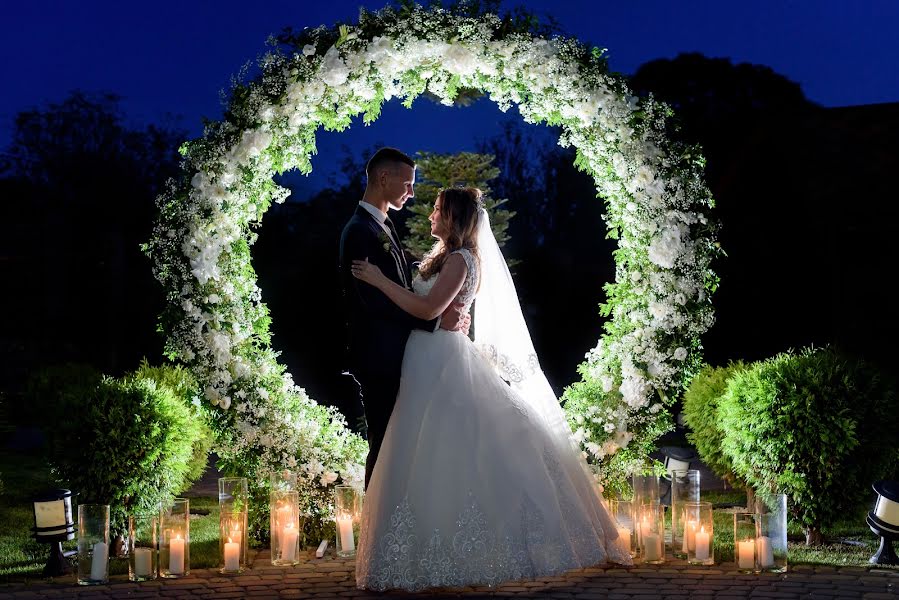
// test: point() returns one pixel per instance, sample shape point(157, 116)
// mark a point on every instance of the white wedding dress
point(472, 486)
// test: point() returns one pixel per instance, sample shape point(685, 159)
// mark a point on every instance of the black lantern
point(884, 521)
point(53, 525)
point(676, 459)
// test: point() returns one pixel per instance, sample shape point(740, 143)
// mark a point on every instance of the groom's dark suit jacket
point(377, 329)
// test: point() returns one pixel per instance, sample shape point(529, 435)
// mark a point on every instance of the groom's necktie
point(396, 240)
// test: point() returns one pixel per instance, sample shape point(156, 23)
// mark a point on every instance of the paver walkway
point(332, 577)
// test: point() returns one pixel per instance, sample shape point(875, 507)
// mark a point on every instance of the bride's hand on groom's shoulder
point(454, 319)
point(367, 272)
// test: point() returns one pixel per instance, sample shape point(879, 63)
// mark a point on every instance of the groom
point(377, 329)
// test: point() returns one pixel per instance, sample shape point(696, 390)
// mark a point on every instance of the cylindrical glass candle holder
point(233, 494)
point(684, 488)
point(771, 543)
point(745, 534)
point(286, 527)
point(651, 524)
point(142, 546)
point(646, 489)
point(93, 544)
point(284, 481)
point(347, 509)
point(698, 532)
point(623, 513)
point(174, 539)
point(233, 541)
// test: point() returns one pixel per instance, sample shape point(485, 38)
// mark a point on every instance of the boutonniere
point(385, 241)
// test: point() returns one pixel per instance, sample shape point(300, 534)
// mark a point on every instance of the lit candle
point(701, 541)
point(345, 530)
point(689, 536)
point(143, 562)
point(289, 542)
point(176, 555)
point(745, 554)
point(99, 561)
point(766, 552)
point(652, 546)
point(644, 528)
point(624, 538)
point(232, 556)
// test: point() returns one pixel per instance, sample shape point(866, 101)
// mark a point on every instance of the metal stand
point(885, 554)
point(57, 564)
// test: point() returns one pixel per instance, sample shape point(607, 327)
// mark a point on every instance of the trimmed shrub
point(700, 406)
point(818, 425)
point(184, 385)
point(123, 442)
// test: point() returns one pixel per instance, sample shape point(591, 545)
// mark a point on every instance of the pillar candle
point(345, 531)
point(766, 553)
point(689, 536)
point(701, 541)
point(99, 561)
point(745, 554)
point(289, 542)
point(651, 544)
point(624, 538)
point(232, 556)
point(143, 562)
point(176, 555)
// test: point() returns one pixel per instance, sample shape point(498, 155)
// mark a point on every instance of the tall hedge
point(700, 407)
point(818, 425)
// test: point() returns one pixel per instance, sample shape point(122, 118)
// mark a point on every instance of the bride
point(477, 481)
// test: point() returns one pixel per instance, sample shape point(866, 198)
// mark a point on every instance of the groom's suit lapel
point(396, 253)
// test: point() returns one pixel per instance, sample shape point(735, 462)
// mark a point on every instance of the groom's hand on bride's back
point(455, 319)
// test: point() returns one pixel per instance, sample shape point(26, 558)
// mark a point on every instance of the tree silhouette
point(85, 184)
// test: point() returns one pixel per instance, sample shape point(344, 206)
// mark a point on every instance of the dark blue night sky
point(173, 57)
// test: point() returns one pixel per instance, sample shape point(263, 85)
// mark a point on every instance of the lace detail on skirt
point(472, 555)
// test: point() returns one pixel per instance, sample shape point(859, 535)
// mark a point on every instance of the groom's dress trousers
point(377, 329)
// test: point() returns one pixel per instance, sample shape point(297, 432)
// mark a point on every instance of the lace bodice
point(469, 287)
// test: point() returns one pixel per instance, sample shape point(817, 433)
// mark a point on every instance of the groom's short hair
point(387, 157)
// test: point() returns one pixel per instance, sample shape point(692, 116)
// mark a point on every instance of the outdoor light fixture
point(884, 521)
point(53, 525)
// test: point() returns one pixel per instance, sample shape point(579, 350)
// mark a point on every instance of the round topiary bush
point(700, 407)
point(124, 442)
point(817, 425)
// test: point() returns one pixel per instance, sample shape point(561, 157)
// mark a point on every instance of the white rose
point(308, 49)
point(680, 353)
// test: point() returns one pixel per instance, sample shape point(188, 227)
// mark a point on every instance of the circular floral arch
point(656, 207)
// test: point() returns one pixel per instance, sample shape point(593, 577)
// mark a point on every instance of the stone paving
point(332, 577)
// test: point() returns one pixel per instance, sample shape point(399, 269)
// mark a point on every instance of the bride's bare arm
point(445, 289)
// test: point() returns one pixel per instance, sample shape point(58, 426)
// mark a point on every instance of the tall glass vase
point(93, 544)
point(174, 539)
point(771, 543)
point(684, 488)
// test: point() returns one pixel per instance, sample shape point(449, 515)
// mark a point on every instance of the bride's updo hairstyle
point(459, 215)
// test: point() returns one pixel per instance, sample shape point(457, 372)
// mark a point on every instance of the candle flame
point(229, 541)
point(178, 536)
point(701, 529)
